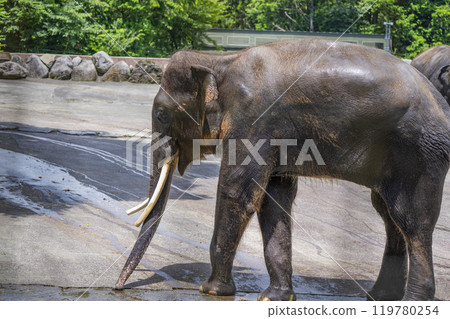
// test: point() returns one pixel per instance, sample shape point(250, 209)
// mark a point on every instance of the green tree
point(45, 26)
point(418, 24)
point(119, 27)
point(294, 15)
point(336, 16)
point(429, 25)
point(160, 27)
point(20, 25)
point(3, 15)
point(65, 27)
point(235, 15)
point(284, 15)
point(122, 26)
point(372, 22)
point(181, 24)
point(440, 25)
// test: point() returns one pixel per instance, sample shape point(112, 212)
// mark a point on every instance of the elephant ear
point(206, 92)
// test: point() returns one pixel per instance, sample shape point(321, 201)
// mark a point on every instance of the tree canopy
point(160, 27)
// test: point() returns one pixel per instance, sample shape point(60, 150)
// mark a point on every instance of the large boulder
point(102, 62)
point(5, 56)
point(62, 68)
point(36, 68)
point(76, 60)
point(146, 71)
point(12, 70)
point(85, 71)
point(48, 60)
point(117, 73)
point(18, 59)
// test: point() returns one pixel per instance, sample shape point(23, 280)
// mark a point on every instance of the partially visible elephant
point(368, 118)
point(434, 63)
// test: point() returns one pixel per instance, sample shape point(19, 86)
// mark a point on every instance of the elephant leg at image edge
point(414, 207)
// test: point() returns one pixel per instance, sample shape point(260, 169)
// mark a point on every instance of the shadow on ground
point(248, 281)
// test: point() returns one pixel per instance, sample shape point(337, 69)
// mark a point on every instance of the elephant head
point(184, 109)
point(434, 64)
point(444, 79)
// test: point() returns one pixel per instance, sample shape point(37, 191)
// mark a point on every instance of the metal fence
point(234, 40)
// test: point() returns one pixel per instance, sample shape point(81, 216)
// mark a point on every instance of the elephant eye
point(162, 116)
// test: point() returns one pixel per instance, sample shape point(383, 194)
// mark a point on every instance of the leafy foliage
point(160, 27)
point(440, 25)
point(122, 25)
point(236, 16)
point(281, 15)
point(44, 25)
point(418, 24)
point(181, 24)
point(3, 15)
point(119, 27)
point(336, 16)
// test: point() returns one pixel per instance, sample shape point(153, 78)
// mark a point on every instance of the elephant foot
point(392, 294)
point(272, 294)
point(217, 288)
point(118, 287)
point(119, 284)
point(419, 296)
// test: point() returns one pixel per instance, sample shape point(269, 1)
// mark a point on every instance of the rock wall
point(99, 67)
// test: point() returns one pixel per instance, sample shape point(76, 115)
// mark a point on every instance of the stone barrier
point(131, 61)
point(99, 67)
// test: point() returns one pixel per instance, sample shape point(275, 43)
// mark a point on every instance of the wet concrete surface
point(65, 185)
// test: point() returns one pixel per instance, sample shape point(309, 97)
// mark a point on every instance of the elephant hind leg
point(391, 281)
point(413, 202)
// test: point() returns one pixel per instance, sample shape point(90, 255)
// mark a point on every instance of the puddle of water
point(47, 293)
point(48, 178)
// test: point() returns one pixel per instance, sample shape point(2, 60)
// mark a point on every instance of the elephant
point(434, 63)
point(375, 120)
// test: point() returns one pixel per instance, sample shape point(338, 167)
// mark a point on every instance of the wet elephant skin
point(375, 120)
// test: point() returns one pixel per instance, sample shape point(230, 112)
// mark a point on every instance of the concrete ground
point(65, 186)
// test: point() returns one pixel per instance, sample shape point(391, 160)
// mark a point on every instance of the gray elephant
point(434, 63)
point(373, 119)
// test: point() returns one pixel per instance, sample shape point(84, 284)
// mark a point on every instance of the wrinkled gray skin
point(376, 121)
point(434, 63)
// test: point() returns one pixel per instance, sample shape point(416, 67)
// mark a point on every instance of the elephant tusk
point(137, 208)
point(157, 192)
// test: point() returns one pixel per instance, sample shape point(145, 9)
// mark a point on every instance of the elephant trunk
point(159, 192)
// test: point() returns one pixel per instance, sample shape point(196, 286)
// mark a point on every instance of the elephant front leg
point(227, 234)
point(237, 200)
point(230, 222)
point(275, 223)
